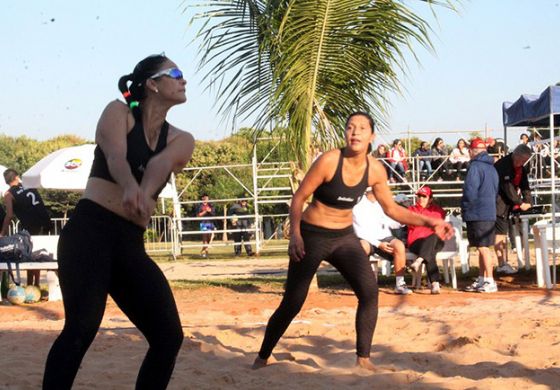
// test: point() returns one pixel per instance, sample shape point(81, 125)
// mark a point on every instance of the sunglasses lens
point(175, 73)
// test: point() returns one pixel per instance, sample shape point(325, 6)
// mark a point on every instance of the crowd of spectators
point(441, 162)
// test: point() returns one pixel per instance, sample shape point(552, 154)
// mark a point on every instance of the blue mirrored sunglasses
point(174, 73)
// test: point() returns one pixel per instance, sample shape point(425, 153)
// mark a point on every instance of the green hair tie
point(134, 104)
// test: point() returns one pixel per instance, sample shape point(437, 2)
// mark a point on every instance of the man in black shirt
point(241, 224)
point(27, 205)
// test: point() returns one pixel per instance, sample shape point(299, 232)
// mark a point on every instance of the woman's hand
point(133, 201)
point(296, 249)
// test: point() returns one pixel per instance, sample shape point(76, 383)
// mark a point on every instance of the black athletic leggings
point(100, 253)
point(343, 250)
point(427, 248)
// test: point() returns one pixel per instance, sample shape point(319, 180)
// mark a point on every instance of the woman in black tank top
point(324, 231)
point(101, 249)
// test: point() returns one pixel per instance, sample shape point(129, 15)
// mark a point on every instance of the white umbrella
point(3, 186)
point(68, 169)
point(64, 169)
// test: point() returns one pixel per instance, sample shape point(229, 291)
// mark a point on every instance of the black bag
point(15, 249)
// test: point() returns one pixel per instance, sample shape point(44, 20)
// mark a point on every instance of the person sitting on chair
point(27, 205)
point(423, 241)
point(373, 228)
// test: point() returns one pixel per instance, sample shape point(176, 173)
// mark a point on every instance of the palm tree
point(304, 65)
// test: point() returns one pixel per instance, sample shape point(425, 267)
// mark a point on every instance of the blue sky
point(61, 60)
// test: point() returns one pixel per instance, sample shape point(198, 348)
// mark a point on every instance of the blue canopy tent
point(533, 110)
point(538, 111)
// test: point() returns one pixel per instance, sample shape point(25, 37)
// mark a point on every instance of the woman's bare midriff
point(319, 214)
point(109, 195)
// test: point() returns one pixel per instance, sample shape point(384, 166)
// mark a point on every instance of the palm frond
point(306, 64)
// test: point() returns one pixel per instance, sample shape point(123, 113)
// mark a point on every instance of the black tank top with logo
point(138, 153)
point(338, 195)
point(30, 210)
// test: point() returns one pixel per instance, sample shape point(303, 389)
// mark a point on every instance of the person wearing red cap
point(493, 149)
point(478, 208)
point(422, 240)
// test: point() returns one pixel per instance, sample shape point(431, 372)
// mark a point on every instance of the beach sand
point(456, 340)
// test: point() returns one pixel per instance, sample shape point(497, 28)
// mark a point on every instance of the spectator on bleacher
point(524, 139)
point(423, 158)
point(373, 228)
point(422, 240)
point(493, 149)
point(381, 154)
point(541, 159)
point(397, 159)
point(442, 162)
point(514, 193)
point(478, 208)
point(460, 158)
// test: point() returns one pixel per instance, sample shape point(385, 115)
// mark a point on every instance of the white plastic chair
point(452, 248)
point(543, 233)
point(379, 263)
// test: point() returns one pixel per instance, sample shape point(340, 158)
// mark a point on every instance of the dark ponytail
point(123, 87)
point(132, 85)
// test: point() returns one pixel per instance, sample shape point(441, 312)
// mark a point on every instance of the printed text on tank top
point(338, 195)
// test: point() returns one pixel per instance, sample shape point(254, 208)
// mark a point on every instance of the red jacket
point(394, 154)
point(417, 232)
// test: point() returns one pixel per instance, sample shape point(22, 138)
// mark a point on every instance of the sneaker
point(402, 290)
point(416, 264)
point(488, 287)
point(435, 288)
point(473, 287)
point(506, 269)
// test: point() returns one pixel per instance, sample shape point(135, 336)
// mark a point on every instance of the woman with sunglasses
point(337, 180)
point(101, 249)
point(423, 241)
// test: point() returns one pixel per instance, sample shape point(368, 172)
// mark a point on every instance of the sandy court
point(453, 341)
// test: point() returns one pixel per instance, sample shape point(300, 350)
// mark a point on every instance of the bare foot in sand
point(365, 362)
point(259, 363)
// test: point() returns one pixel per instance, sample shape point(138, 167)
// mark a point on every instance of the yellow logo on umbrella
point(73, 164)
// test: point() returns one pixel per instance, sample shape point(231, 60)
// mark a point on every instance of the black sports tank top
point(338, 195)
point(30, 209)
point(138, 153)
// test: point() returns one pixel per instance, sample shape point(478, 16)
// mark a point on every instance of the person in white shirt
point(460, 158)
point(373, 228)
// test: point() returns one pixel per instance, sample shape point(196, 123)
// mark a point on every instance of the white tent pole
point(177, 219)
point(553, 190)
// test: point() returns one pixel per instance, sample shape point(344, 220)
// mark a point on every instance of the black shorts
point(502, 225)
point(481, 233)
point(375, 250)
